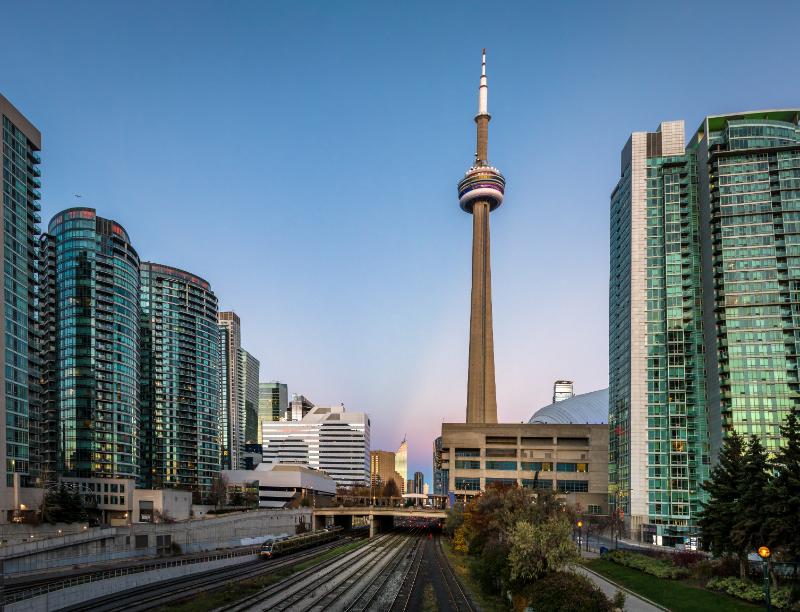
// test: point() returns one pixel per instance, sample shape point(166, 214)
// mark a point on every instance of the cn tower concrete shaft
point(481, 391)
point(480, 192)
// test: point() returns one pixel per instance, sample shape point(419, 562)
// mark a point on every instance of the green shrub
point(715, 568)
point(648, 565)
point(565, 592)
point(490, 569)
point(753, 592)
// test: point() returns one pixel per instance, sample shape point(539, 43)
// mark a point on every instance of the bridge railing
point(352, 501)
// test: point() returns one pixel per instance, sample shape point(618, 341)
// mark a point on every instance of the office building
point(90, 321)
point(299, 407)
point(419, 480)
point(562, 389)
point(19, 409)
point(248, 393)
point(382, 469)
point(401, 464)
point(571, 459)
point(440, 475)
point(273, 403)
point(179, 380)
point(327, 438)
point(480, 192)
point(283, 485)
point(232, 417)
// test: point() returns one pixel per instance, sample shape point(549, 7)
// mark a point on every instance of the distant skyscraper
point(419, 481)
point(401, 462)
point(90, 320)
point(299, 407)
point(232, 415)
point(480, 192)
point(19, 409)
point(273, 403)
point(382, 467)
point(562, 389)
point(248, 393)
point(179, 380)
point(441, 476)
point(327, 438)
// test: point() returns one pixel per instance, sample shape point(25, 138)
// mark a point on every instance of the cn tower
point(480, 192)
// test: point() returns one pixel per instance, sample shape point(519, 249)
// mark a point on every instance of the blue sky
point(303, 157)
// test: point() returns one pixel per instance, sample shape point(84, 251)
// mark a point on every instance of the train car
point(274, 548)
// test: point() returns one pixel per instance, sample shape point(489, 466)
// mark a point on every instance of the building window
point(541, 483)
point(594, 509)
point(501, 440)
point(537, 466)
point(468, 452)
point(468, 465)
point(468, 484)
point(573, 486)
point(501, 465)
point(141, 541)
point(506, 482)
point(501, 452)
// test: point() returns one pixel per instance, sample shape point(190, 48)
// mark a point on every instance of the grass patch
point(676, 595)
point(459, 562)
point(429, 599)
point(233, 592)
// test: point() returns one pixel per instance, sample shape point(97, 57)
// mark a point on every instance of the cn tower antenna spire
point(480, 192)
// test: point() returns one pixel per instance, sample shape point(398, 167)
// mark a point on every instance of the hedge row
point(648, 565)
point(752, 592)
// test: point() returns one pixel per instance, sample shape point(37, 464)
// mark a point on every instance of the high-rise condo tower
point(480, 192)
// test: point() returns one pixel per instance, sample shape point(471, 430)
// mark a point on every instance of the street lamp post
point(764, 553)
point(580, 528)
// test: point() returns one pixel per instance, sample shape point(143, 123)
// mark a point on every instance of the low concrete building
point(281, 485)
point(161, 505)
point(569, 458)
point(109, 500)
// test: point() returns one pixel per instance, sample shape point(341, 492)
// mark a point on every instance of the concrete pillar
point(374, 527)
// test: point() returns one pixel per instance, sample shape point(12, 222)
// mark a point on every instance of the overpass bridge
point(380, 513)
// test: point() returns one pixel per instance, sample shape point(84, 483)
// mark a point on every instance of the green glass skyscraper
point(658, 412)
point(749, 176)
point(19, 421)
point(179, 380)
point(704, 320)
point(90, 322)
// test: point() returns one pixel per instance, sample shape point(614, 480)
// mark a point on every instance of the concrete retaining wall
point(91, 590)
point(142, 540)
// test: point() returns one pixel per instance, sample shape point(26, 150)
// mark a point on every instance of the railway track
point(176, 589)
point(460, 600)
point(295, 590)
point(402, 598)
point(370, 593)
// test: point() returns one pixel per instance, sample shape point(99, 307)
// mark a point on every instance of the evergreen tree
point(717, 518)
point(751, 512)
point(783, 497)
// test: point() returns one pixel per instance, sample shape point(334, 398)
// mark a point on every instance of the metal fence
point(116, 573)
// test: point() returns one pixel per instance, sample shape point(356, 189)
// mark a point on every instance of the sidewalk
point(633, 602)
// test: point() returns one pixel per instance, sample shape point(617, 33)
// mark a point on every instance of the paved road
point(633, 603)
